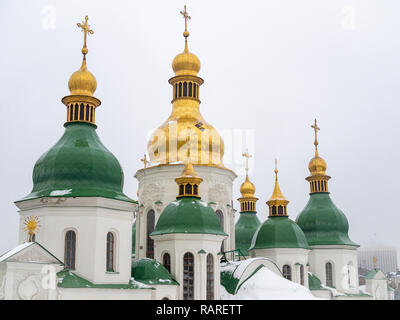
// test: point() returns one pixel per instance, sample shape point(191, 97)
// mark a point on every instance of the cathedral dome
point(188, 215)
point(323, 223)
point(82, 82)
point(317, 166)
point(245, 228)
point(78, 165)
point(186, 63)
point(279, 232)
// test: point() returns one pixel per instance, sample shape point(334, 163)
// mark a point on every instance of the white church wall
point(91, 219)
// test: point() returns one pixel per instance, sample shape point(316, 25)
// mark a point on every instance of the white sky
point(270, 67)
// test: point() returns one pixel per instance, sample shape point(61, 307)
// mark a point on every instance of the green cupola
point(248, 221)
point(321, 221)
point(188, 213)
point(79, 165)
point(278, 231)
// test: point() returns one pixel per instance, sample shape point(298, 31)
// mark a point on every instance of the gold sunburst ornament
point(31, 226)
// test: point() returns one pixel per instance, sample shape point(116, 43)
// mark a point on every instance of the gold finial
point(375, 259)
point(186, 16)
point(276, 169)
point(277, 203)
point(247, 155)
point(316, 129)
point(145, 161)
point(85, 29)
point(31, 226)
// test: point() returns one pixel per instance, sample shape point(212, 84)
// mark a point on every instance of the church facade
point(82, 237)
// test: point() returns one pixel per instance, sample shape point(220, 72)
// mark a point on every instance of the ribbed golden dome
point(186, 63)
point(317, 166)
point(82, 82)
point(247, 189)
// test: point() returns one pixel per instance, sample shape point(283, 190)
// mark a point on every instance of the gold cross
point(85, 29)
point(276, 167)
point(316, 129)
point(247, 155)
point(145, 161)
point(375, 262)
point(186, 16)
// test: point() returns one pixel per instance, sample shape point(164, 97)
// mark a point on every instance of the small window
point(76, 112)
point(87, 113)
point(302, 275)
point(150, 229)
point(71, 110)
point(220, 216)
point(195, 189)
point(210, 277)
point(181, 189)
point(180, 89)
point(194, 90)
point(188, 189)
point(69, 250)
point(91, 114)
point(167, 262)
point(110, 252)
point(287, 272)
point(274, 210)
point(188, 276)
point(328, 271)
point(185, 89)
point(190, 89)
point(81, 112)
point(176, 90)
point(280, 210)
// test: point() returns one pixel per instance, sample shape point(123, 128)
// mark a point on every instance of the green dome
point(133, 239)
point(188, 215)
point(245, 228)
point(279, 232)
point(323, 223)
point(150, 271)
point(78, 165)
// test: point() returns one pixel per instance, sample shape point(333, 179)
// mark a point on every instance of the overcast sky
point(270, 68)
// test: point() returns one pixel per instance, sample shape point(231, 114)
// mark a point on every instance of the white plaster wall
point(165, 291)
point(377, 288)
point(157, 188)
point(91, 219)
point(340, 257)
point(177, 245)
point(289, 256)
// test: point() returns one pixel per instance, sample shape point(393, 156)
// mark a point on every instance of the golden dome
point(247, 189)
point(317, 166)
point(186, 63)
point(82, 82)
point(277, 194)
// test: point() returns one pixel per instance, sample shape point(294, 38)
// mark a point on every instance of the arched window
point(195, 189)
point(190, 89)
point(287, 272)
point(280, 210)
point(71, 110)
point(194, 90)
point(188, 189)
point(81, 111)
point(185, 89)
point(273, 210)
point(150, 229)
point(167, 262)
point(220, 216)
point(110, 252)
point(69, 250)
point(91, 114)
point(328, 271)
point(76, 112)
point(176, 90)
point(181, 189)
point(302, 275)
point(180, 89)
point(210, 277)
point(188, 276)
point(87, 112)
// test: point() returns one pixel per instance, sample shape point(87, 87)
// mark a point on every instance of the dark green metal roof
point(151, 272)
point(279, 232)
point(78, 165)
point(188, 215)
point(323, 223)
point(314, 283)
point(245, 228)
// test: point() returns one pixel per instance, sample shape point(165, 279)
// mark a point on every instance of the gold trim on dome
point(277, 203)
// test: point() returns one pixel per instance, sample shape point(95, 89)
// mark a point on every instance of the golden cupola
point(81, 104)
point(247, 189)
point(168, 144)
point(318, 179)
point(277, 203)
point(188, 182)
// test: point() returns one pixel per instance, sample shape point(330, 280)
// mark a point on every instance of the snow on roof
point(17, 249)
point(267, 285)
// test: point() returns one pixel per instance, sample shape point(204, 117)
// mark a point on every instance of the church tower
point(187, 238)
point(248, 222)
point(167, 148)
point(77, 195)
point(281, 239)
point(333, 258)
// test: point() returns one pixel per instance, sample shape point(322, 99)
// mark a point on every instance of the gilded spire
point(277, 203)
point(317, 166)
point(186, 16)
point(82, 84)
point(247, 189)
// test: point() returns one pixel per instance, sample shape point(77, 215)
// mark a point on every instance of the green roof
point(69, 279)
point(133, 238)
point(78, 165)
point(314, 283)
point(188, 215)
point(371, 274)
point(279, 232)
point(323, 223)
point(151, 272)
point(245, 228)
